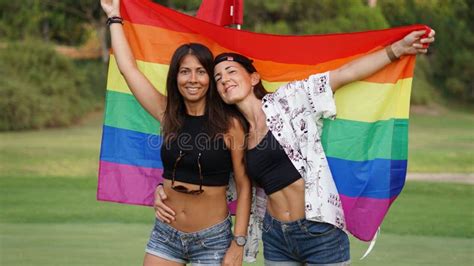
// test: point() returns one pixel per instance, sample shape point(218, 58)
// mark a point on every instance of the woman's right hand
point(162, 212)
point(146, 94)
point(111, 7)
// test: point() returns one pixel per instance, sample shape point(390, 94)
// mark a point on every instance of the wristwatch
point(240, 240)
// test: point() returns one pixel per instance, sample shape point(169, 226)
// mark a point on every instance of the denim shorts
point(303, 242)
point(205, 247)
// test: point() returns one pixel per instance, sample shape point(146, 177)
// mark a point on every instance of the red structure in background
point(222, 12)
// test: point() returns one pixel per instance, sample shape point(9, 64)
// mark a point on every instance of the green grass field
point(441, 143)
point(49, 215)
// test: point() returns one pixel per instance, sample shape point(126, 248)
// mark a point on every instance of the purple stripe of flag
point(119, 183)
point(364, 215)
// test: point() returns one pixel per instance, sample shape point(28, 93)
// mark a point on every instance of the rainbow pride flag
point(366, 145)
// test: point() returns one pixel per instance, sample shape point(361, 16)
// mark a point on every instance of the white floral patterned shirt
point(294, 116)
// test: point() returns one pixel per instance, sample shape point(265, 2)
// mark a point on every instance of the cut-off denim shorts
point(303, 242)
point(204, 247)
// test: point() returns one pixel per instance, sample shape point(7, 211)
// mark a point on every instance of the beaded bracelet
point(114, 19)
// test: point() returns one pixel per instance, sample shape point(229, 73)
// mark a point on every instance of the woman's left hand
point(413, 43)
point(234, 255)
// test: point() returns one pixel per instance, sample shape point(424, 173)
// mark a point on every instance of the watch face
point(240, 240)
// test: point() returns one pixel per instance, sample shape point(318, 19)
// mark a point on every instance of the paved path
point(443, 177)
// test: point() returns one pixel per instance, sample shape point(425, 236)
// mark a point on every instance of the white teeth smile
point(192, 90)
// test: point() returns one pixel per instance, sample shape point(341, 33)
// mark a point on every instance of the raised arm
point(153, 101)
point(367, 65)
point(235, 140)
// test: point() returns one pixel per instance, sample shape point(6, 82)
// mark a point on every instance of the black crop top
point(215, 159)
point(269, 166)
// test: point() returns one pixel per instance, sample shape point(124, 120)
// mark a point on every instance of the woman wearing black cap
point(304, 221)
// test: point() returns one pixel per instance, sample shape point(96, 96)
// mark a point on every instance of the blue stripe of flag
point(131, 147)
point(378, 178)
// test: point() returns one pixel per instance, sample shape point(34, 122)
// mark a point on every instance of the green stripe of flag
point(123, 111)
point(362, 141)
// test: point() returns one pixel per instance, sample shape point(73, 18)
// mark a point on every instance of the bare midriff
point(287, 204)
point(196, 212)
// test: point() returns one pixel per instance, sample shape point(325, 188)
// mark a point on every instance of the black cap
point(244, 61)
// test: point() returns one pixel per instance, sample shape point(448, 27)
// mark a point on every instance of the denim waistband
point(289, 225)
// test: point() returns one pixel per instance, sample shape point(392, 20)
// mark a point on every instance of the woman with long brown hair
point(202, 140)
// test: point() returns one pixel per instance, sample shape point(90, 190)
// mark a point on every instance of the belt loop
point(301, 225)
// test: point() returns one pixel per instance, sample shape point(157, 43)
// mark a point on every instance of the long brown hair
point(217, 112)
